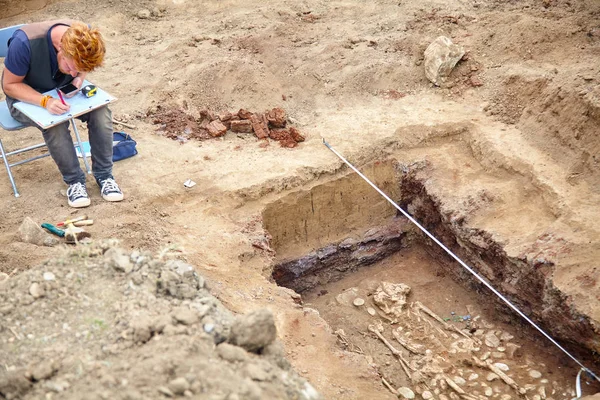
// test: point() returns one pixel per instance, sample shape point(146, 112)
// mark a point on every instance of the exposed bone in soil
point(462, 352)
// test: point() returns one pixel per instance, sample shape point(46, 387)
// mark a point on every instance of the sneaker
point(110, 190)
point(77, 195)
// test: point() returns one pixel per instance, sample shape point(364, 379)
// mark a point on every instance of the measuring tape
point(89, 90)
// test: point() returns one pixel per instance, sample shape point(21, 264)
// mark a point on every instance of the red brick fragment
point(295, 133)
point(277, 118)
point(244, 126)
point(279, 134)
point(225, 116)
point(284, 137)
point(216, 129)
point(244, 114)
point(260, 125)
point(208, 114)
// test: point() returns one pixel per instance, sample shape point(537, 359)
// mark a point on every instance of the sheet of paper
point(79, 106)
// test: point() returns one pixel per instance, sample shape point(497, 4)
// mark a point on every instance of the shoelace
point(110, 186)
point(77, 190)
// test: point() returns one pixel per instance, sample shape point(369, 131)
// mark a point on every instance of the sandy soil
point(509, 142)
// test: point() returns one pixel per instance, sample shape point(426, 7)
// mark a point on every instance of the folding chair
point(8, 123)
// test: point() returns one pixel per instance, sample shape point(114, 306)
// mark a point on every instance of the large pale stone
point(31, 232)
point(440, 58)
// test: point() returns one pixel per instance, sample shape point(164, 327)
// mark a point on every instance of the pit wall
point(331, 212)
point(527, 284)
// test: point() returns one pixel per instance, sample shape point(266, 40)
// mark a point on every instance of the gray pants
point(61, 147)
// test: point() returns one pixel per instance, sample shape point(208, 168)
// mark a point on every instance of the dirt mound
point(118, 325)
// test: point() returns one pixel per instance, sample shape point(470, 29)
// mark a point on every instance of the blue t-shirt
point(19, 54)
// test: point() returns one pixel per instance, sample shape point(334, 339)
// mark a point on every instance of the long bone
point(395, 352)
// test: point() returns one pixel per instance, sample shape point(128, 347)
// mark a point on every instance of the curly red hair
point(84, 45)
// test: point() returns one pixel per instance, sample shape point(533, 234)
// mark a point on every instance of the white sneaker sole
point(113, 197)
point(79, 203)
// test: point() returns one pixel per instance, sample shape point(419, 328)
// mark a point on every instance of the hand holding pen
point(57, 106)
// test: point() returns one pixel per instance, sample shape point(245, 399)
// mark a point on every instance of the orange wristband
point(44, 101)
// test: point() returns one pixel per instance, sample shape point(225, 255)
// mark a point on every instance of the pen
point(61, 98)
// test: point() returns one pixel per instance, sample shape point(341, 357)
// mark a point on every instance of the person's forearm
point(23, 92)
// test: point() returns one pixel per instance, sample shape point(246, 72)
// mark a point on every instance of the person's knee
point(58, 134)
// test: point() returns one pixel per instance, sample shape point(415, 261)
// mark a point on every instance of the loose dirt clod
point(127, 321)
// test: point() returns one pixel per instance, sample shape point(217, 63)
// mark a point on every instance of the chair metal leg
point(7, 165)
point(85, 161)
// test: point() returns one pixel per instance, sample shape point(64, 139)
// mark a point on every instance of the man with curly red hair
point(45, 56)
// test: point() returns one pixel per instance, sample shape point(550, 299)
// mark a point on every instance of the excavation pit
point(391, 294)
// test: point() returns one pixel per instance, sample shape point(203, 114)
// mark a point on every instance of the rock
point(491, 340)
point(440, 58)
point(36, 290)
point(254, 331)
point(14, 384)
point(179, 385)
point(459, 381)
point(473, 376)
point(180, 267)
point(358, 302)
point(44, 370)
point(31, 232)
point(426, 395)
point(3, 277)
point(231, 353)
point(185, 316)
point(49, 276)
point(501, 366)
point(406, 393)
point(164, 390)
point(535, 374)
point(371, 311)
point(118, 260)
point(142, 329)
point(542, 392)
point(160, 322)
point(144, 14)
point(257, 372)
point(488, 391)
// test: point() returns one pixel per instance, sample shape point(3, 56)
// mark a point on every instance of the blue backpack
point(123, 146)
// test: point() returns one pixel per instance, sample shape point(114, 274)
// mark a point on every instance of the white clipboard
point(79, 106)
